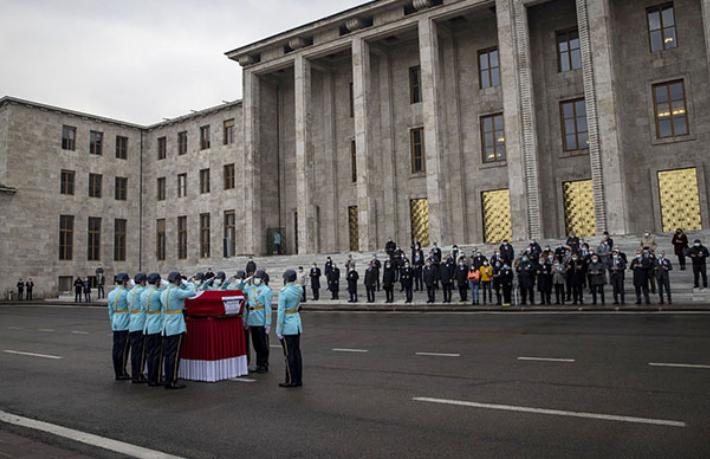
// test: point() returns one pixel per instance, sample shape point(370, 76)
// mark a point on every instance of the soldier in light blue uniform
point(119, 317)
point(289, 329)
point(135, 328)
point(217, 283)
point(173, 326)
point(257, 319)
point(151, 305)
point(198, 280)
point(238, 282)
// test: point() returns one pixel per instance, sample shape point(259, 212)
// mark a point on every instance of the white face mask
point(257, 281)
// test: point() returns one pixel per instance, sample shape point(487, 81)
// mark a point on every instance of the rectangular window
point(488, 68)
point(204, 235)
point(182, 143)
point(568, 52)
point(353, 161)
point(229, 176)
point(182, 237)
point(121, 147)
point(95, 185)
point(66, 185)
point(204, 181)
point(415, 84)
point(230, 233)
point(661, 27)
point(228, 132)
point(574, 125)
point(352, 101)
point(492, 138)
point(204, 137)
point(121, 190)
point(66, 237)
point(182, 185)
point(416, 146)
point(68, 138)
point(161, 188)
point(162, 147)
point(96, 143)
point(160, 239)
point(670, 109)
point(94, 239)
point(119, 239)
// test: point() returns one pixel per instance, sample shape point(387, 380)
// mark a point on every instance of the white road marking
point(274, 346)
point(32, 354)
point(575, 414)
point(437, 354)
point(349, 350)
point(14, 328)
point(242, 380)
point(679, 365)
point(545, 359)
point(83, 437)
point(79, 332)
point(48, 330)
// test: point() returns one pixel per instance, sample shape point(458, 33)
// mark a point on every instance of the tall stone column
point(593, 21)
point(433, 131)
point(253, 228)
point(361, 98)
point(519, 115)
point(307, 224)
point(705, 6)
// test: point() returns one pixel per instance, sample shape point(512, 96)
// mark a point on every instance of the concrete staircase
point(681, 281)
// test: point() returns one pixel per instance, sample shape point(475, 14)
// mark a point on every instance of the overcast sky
point(137, 60)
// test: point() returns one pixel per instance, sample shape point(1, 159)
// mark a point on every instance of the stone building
point(446, 120)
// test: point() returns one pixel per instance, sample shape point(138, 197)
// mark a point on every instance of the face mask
point(595, 260)
point(485, 263)
point(406, 265)
point(257, 281)
point(697, 244)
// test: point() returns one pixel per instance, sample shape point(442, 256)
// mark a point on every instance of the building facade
point(449, 121)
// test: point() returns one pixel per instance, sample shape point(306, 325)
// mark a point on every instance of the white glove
point(131, 283)
point(267, 329)
point(183, 283)
point(163, 283)
point(280, 337)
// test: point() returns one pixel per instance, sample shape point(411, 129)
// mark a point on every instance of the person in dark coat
point(334, 281)
point(418, 263)
point(398, 262)
point(447, 270)
point(429, 276)
point(455, 253)
point(617, 269)
point(462, 279)
point(315, 281)
point(478, 259)
point(526, 280)
point(498, 281)
point(506, 279)
point(405, 278)
point(597, 278)
point(577, 273)
point(559, 277)
point(544, 279)
point(20, 289)
point(388, 281)
point(29, 286)
point(328, 266)
point(378, 268)
point(640, 266)
point(87, 290)
point(390, 247)
point(352, 278)
point(680, 247)
point(573, 242)
point(506, 253)
point(78, 289)
point(436, 259)
point(663, 269)
point(370, 282)
point(698, 255)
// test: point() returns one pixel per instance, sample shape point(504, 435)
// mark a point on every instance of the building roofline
point(308, 27)
point(16, 100)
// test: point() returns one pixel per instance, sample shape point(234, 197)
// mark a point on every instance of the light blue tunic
point(288, 320)
point(135, 307)
point(150, 299)
point(173, 303)
point(258, 308)
point(118, 308)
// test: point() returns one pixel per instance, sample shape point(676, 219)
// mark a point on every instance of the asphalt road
point(367, 404)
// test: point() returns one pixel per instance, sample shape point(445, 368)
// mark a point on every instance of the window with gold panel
point(419, 219)
point(579, 208)
point(679, 199)
point(497, 224)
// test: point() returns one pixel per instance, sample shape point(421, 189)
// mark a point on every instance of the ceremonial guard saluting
point(150, 301)
point(257, 318)
point(120, 320)
point(135, 328)
point(315, 281)
point(289, 329)
point(173, 327)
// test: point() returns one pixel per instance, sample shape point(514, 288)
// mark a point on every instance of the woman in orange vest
point(474, 279)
